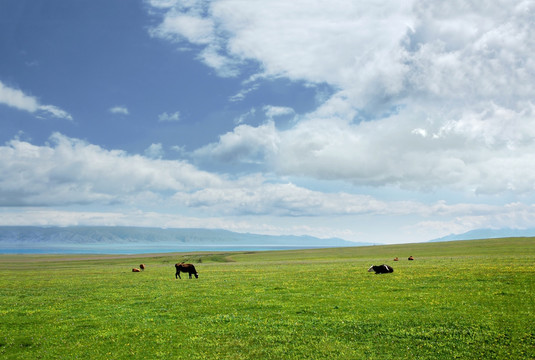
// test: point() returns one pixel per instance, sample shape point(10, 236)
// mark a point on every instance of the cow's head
point(370, 269)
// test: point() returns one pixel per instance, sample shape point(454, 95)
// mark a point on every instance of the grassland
point(466, 300)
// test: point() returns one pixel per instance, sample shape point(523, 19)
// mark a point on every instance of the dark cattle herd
point(190, 269)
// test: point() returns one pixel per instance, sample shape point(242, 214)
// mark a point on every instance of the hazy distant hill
point(112, 239)
point(488, 234)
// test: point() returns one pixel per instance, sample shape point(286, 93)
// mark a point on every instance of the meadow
point(464, 299)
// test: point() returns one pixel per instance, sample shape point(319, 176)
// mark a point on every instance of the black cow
point(381, 269)
point(185, 268)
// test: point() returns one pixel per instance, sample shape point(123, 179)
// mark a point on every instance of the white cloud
point(242, 94)
point(255, 196)
point(71, 171)
point(245, 144)
point(154, 151)
point(194, 29)
point(169, 117)
point(243, 117)
point(512, 215)
point(274, 111)
point(55, 112)
point(426, 94)
point(163, 4)
point(19, 100)
point(119, 110)
point(482, 152)
point(373, 51)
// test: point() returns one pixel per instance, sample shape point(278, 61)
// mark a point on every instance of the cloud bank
point(38, 181)
point(426, 95)
point(71, 171)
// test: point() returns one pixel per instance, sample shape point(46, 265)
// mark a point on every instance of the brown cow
point(396, 259)
point(185, 268)
point(136, 270)
point(411, 258)
point(142, 266)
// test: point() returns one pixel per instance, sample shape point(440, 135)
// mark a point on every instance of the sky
point(384, 122)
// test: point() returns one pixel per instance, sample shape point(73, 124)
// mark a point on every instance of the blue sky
point(382, 122)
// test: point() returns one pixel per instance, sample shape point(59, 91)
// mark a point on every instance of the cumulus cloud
point(425, 94)
point(274, 111)
point(19, 100)
point(484, 152)
point(246, 144)
point(154, 151)
point(254, 196)
point(373, 52)
point(165, 117)
point(242, 94)
point(194, 29)
point(186, 21)
point(513, 215)
point(123, 110)
point(71, 171)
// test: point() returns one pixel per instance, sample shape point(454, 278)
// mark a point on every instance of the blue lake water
point(141, 249)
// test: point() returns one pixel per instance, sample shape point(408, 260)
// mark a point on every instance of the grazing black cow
point(381, 269)
point(142, 266)
point(185, 268)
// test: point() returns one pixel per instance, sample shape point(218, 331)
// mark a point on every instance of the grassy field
point(466, 300)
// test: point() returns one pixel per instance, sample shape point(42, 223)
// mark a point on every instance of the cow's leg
point(190, 275)
point(177, 275)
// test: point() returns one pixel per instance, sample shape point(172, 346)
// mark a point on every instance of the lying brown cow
point(185, 268)
point(411, 258)
point(142, 266)
point(136, 270)
point(396, 259)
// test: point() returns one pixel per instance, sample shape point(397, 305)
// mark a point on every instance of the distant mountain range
point(101, 239)
point(488, 234)
point(133, 240)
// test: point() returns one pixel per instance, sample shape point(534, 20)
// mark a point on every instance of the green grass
point(467, 300)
